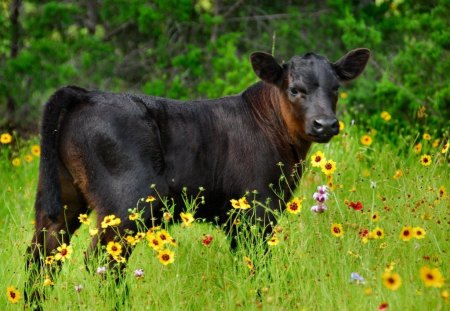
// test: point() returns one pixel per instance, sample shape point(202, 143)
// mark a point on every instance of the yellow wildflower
point(5, 138)
point(317, 159)
point(431, 277)
point(386, 116)
point(12, 294)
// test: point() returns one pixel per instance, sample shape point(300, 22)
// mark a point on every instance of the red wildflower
point(383, 307)
point(363, 232)
point(207, 239)
point(356, 206)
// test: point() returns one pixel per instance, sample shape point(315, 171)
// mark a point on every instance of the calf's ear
point(352, 64)
point(267, 68)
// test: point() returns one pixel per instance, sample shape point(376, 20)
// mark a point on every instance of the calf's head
point(308, 88)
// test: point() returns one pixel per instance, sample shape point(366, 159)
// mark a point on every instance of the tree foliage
point(199, 49)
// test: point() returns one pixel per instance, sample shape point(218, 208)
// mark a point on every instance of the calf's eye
point(293, 91)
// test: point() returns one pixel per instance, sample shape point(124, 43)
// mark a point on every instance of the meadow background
point(391, 155)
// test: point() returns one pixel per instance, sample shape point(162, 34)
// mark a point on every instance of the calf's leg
point(50, 234)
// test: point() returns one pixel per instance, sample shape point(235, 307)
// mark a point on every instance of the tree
point(196, 49)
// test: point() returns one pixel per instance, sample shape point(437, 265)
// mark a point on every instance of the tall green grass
point(309, 269)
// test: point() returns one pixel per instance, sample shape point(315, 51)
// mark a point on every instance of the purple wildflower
point(321, 196)
point(319, 208)
point(356, 277)
point(101, 270)
point(322, 189)
point(138, 273)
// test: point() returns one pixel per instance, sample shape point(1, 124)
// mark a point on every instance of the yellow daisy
point(114, 248)
point(5, 138)
point(133, 216)
point(110, 221)
point(425, 160)
point(242, 203)
point(294, 206)
point(398, 174)
point(445, 148)
point(64, 252)
point(418, 148)
point(386, 116)
point(377, 233)
point(317, 159)
point(93, 231)
point(16, 162)
point(47, 281)
point(119, 259)
point(150, 199)
point(28, 158)
point(187, 219)
point(13, 294)
point(154, 241)
point(436, 143)
point(36, 150)
point(328, 167)
point(84, 219)
point(139, 236)
point(166, 257)
point(273, 241)
point(366, 140)
point(419, 233)
point(164, 236)
point(131, 240)
point(375, 217)
point(407, 233)
point(337, 230)
point(392, 280)
point(49, 260)
point(431, 277)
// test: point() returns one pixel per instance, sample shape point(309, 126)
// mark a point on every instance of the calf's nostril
point(335, 124)
point(326, 126)
point(317, 124)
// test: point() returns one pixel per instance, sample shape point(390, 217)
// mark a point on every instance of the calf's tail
point(50, 191)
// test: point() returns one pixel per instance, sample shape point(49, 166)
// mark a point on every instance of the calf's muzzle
point(325, 127)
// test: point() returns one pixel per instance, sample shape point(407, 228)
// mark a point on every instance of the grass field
point(368, 262)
